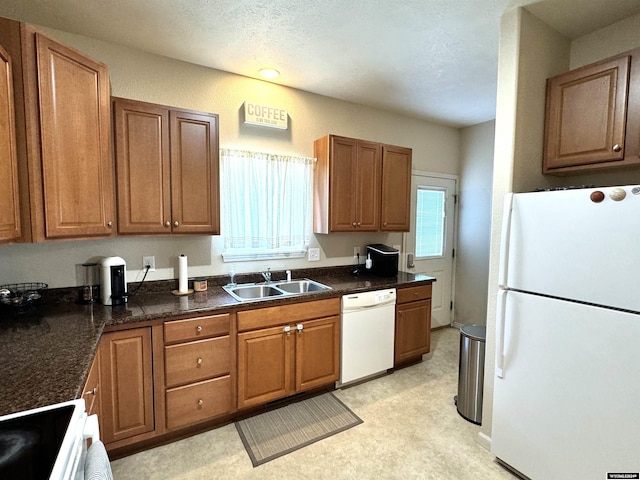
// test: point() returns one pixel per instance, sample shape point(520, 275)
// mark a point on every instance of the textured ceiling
point(430, 59)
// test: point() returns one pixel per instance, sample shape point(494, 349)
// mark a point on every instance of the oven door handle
point(91, 428)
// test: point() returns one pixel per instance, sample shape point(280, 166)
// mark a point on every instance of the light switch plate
point(313, 254)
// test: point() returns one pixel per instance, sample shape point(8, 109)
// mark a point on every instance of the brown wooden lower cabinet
point(127, 379)
point(92, 391)
point(296, 355)
point(153, 383)
point(413, 324)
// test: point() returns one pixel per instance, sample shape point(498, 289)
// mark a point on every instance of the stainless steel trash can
point(471, 372)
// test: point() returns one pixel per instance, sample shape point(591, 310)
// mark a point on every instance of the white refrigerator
point(567, 386)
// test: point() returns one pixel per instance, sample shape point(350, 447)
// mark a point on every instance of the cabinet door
point(413, 330)
point(317, 353)
point(92, 390)
point(368, 176)
point(343, 154)
point(142, 165)
point(10, 211)
point(396, 189)
point(77, 168)
point(126, 375)
point(195, 174)
point(265, 366)
point(586, 115)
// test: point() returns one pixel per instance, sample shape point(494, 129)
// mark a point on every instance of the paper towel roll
point(183, 274)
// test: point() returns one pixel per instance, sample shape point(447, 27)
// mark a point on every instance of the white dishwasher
point(368, 326)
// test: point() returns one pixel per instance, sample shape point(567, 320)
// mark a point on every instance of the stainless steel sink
point(302, 286)
point(251, 292)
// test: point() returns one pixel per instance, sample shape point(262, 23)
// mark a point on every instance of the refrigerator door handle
point(500, 321)
point(505, 235)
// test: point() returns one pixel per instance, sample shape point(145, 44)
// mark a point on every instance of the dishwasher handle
point(367, 300)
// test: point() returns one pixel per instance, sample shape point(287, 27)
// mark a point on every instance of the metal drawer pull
point(92, 392)
point(198, 329)
point(199, 362)
point(200, 402)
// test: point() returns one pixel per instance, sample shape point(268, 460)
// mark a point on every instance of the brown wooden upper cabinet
point(360, 186)
point(9, 198)
point(591, 117)
point(167, 169)
point(61, 99)
point(396, 189)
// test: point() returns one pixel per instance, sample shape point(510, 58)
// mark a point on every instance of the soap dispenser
point(368, 262)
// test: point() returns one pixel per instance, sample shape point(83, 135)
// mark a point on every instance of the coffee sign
point(265, 116)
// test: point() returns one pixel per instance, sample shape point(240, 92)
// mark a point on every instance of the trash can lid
point(476, 332)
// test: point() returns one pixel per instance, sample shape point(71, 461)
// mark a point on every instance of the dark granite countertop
point(45, 358)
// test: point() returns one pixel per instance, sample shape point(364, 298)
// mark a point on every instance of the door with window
point(428, 247)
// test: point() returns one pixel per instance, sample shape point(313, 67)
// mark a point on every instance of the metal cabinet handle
point(353, 224)
point(109, 224)
point(92, 392)
point(198, 328)
point(299, 327)
point(287, 330)
point(176, 223)
point(200, 402)
point(199, 361)
point(167, 224)
point(617, 147)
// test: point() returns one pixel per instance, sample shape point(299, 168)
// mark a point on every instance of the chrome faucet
point(267, 275)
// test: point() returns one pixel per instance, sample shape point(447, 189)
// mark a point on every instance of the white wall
point(474, 221)
point(139, 75)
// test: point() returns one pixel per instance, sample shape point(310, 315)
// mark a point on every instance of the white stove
point(47, 443)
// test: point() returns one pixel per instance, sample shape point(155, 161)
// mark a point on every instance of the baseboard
point(484, 441)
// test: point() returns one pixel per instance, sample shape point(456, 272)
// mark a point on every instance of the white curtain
point(266, 202)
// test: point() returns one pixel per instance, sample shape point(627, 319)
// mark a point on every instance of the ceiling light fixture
point(269, 73)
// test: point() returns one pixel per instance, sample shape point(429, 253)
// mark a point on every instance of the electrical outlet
point(313, 254)
point(356, 252)
point(149, 260)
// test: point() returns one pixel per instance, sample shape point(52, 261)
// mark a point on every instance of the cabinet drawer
point(198, 402)
point(281, 314)
point(193, 361)
point(196, 328)
point(412, 294)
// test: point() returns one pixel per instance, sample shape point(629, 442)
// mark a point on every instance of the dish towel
point(97, 466)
